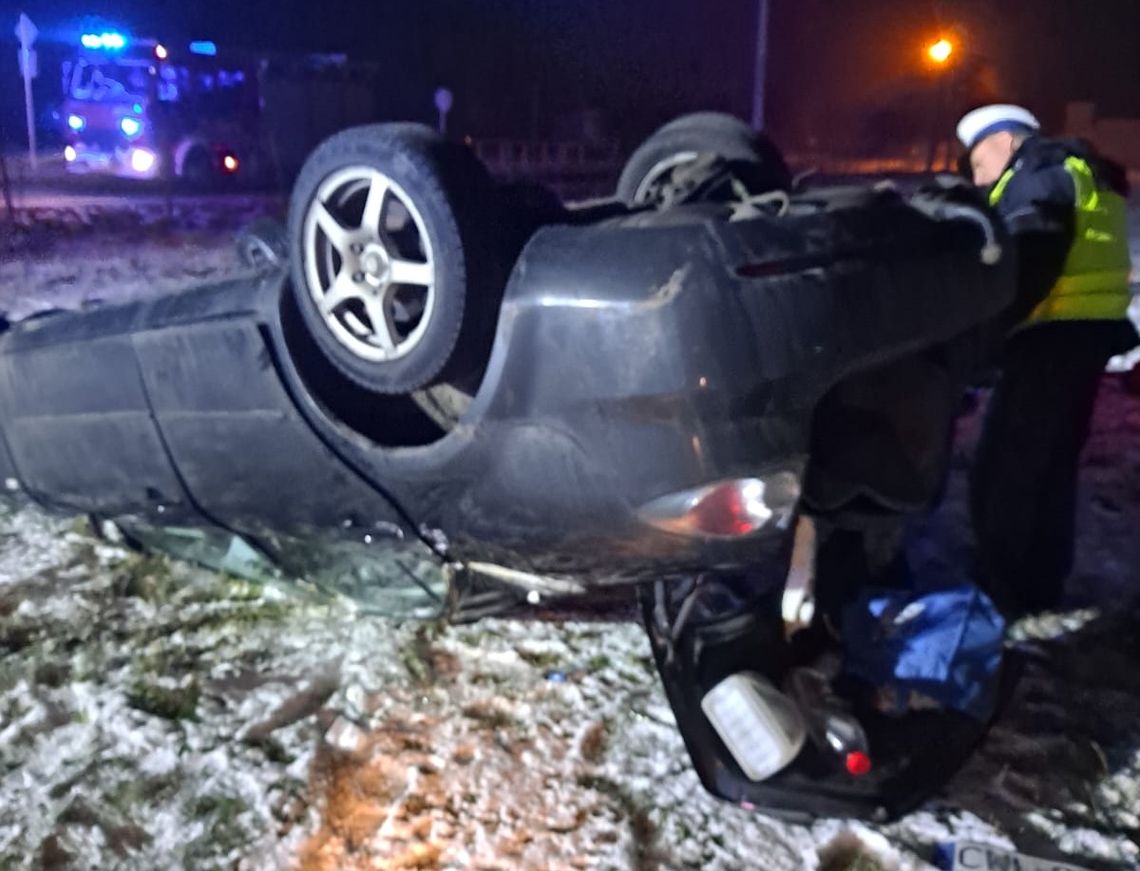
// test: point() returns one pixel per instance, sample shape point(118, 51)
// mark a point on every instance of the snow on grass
point(211, 726)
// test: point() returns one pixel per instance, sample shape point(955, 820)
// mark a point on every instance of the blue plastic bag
point(944, 644)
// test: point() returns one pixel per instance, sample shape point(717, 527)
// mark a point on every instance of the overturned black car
point(714, 391)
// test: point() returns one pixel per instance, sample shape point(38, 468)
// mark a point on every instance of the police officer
point(1065, 207)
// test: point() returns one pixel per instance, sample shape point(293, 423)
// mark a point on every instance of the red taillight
point(727, 509)
point(722, 512)
point(858, 763)
point(230, 164)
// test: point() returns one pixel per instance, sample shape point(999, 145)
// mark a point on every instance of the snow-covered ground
point(156, 715)
point(67, 256)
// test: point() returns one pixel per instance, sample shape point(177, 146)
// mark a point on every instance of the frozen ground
point(69, 255)
point(155, 715)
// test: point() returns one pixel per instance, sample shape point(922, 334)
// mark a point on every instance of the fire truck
point(203, 114)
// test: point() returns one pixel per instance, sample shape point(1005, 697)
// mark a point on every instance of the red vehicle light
point(722, 512)
point(858, 763)
point(727, 509)
point(230, 164)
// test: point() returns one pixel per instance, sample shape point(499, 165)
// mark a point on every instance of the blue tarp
point(944, 644)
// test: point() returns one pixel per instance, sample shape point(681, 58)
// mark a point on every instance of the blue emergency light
point(204, 47)
point(109, 41)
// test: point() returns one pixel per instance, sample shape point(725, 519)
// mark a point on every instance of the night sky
point(521, 67)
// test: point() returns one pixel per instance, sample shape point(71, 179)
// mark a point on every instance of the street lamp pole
point(761, 74)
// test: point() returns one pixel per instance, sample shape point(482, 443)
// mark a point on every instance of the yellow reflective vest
point(1094, 281)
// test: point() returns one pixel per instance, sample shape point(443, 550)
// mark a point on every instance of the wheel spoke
point(343, 289)
point(374, 205)
point(410, 272)
point(337, 235)
point(382, 326)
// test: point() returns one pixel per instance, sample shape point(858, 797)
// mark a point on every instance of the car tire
point(753, 156)
point(388, 254)
point(263, 245)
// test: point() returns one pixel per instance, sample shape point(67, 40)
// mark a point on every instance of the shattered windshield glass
point(399, 580)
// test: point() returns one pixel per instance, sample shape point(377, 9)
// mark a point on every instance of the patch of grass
point(645, 853)
point(491, 678)
point(542, 659)
point(215, 804)
point(52, 673)
point(125, 839)
point(416, 667)
point(82, 525)
point(225, 831)
point(274, 751)
point(163, 658)
point(594, 742)
point(86, 556)
point(487, 714)
point(10, 599)
point(221, 588)
point(169, 703)
point(133, 792)
point(243, 613)
point(15, 638)
point(144, 577)
point(428, 663)
point(53, 855)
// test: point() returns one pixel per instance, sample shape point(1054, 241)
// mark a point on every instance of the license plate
point(978, 857)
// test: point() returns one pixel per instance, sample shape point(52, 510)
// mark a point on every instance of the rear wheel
point(680, 145)
point(383, 221)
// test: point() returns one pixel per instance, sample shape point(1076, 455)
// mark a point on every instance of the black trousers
point(880, 447)
point(1024, 479)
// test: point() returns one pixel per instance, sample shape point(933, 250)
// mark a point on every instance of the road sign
point(27, 32)
point(443, 103)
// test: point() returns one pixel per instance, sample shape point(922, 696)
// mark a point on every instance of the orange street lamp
point(939, 52)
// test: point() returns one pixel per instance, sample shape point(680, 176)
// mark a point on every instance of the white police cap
point(983, 122)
